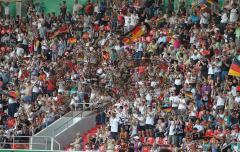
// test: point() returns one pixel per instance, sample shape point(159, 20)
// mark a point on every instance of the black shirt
point(226, 67)
point(204, 66)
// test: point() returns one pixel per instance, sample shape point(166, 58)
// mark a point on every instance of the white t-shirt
point(182, 104)
point(234, 91)
point(172, 20)
point(127, 20)
point(193, 114)
point(74, 101)
point(224, 18)
point(150, 119)
point(210, 69)
point(7, 10)
point(204, 18)
point(19, 51)
point(192, 39)
point(175, 101)
point(139, 47)
point(199, 127)
point(195, 57)
point(96, 9)
point(19, 37)
point(114, 124)
point(141, 120)
point(217, 68)
point(237, 99)
point(178, 81)
point(11, 100)
point(233, 16)
point(172, 129)
point(220, 101)
point(76, 7)
point(121, 117)
point(142, 109)
point(134, 20)
point(35, 89)
point(148, 97)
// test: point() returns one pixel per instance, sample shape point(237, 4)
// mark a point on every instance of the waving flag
point(72, 40)
point(133, 35)
point(211, 1)
point(167, 110)
point(62, 30)
point(235, 68)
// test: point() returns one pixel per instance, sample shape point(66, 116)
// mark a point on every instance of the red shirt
point(217, 132)
point(96, 27)
point(72, 66)
point(51, 85)
point(141, 69)
point(1, 84)
point(89, 9)
point(209, 133)
point(121, 19)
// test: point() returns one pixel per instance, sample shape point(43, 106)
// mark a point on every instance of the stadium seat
point(146, 149)
point(142, 139)
point(159, 140)
point(150, 141)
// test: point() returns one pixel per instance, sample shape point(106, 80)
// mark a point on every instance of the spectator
point(165, 76)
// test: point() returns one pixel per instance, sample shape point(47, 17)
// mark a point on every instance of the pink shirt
point(176, 44)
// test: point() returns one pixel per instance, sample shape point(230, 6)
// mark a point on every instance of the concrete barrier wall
point(67, 136)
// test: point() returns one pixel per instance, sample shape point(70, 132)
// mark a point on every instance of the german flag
point(105, 55)
point(133, 35)
point(235, 68)
point(72, 40)
point(189, 94)
point(211, 1)
point(167, 110)
point(13, 94)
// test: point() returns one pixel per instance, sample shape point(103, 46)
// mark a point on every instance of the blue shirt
point(194, 18)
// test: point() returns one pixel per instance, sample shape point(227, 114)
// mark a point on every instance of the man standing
point(76, 7)
point(233, 14)
point(63, 9)
point(114, 122)
point(7, 10)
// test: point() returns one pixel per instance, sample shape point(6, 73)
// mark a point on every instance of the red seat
point(159, 140)
point(142, 139)
point(20, 146)
point(146, 149)
point(150, 140)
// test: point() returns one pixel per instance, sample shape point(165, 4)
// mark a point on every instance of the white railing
point(83, 106)
point(49, 142)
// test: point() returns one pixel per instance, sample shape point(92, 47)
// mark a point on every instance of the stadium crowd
point(164, 71)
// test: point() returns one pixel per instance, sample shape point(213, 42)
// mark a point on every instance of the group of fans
point(163, 71)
